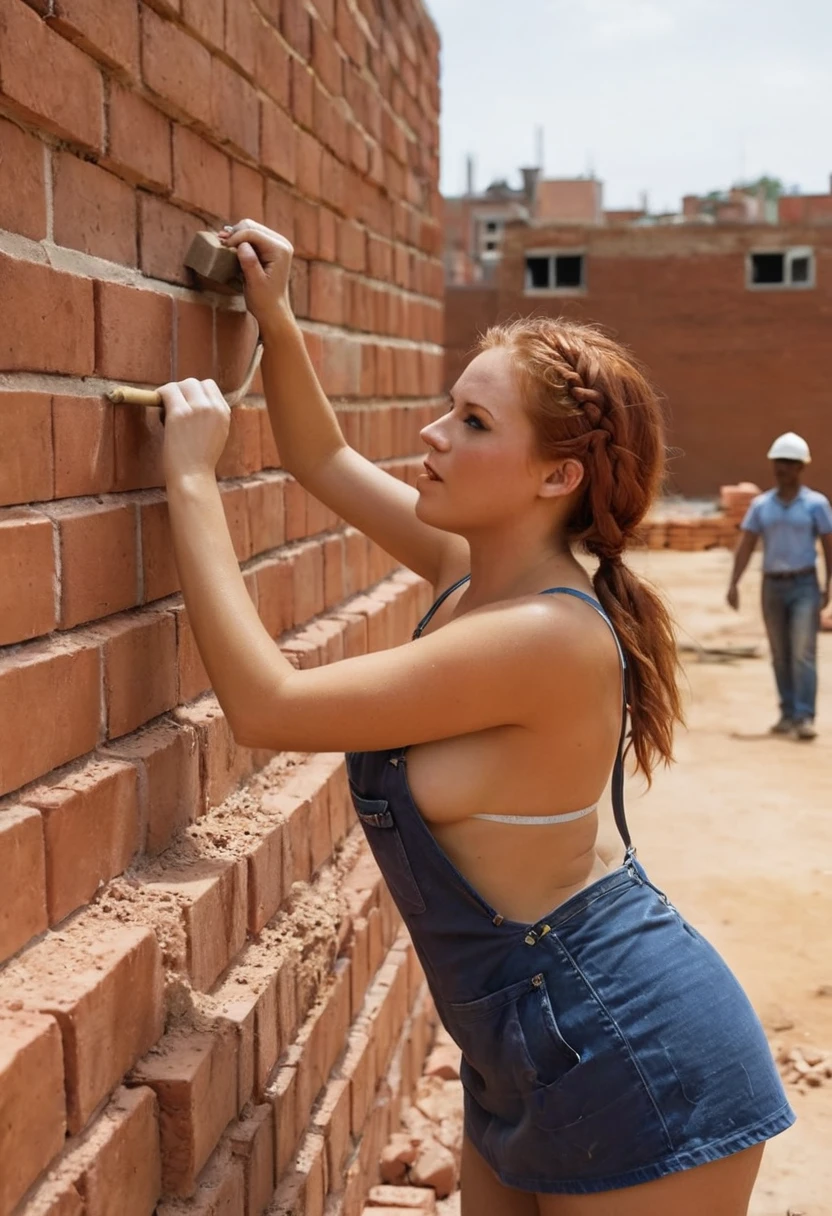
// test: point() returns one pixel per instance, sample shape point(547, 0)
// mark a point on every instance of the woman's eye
point(478, 426)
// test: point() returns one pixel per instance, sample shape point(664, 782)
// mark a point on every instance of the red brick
point(98, 560)
point(252, 1141)
point(23, 198)
point(83, 437)
point(241, 455)
point(193, 678)
point(308, 574)
point(267, 513)
point(139, 669)
point(134, 333)
point(27, 591)
point(280, 209)
point(138, 435)
point(277, 141)
point(113, 37)
point(165, 232)
point(221, 1189)
point(117, 1165)
point(27, 467)
point(275, 595)
point(349, 33)
point(176, 67)
point(22, 862)
point(235, 338)
point(222, 764)
point(201, 173)
point(243, 29)
point(326, 59)
point(296, 28)
point(206, 18)
point(235, 115)
point(326, 293)
point(352, 246)
point(303, 93)
point(139, 139)
point(167, 759)
point(194, 340)
point(246, 193)
point(91, 830)
point(104, 987)
point(31, 1101)
point(48, 319)
point(159, 574)
point(94, 211)
point(332, 1120)
point(309, 154)
point(65, 94)
point(327, 235)
point(272, 65)
point(265, 878)
point(194, 1076)
point(268, 445)
point(65, 675)
point(214, 913)
point(333, 182)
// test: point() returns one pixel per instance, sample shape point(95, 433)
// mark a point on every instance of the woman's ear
point(564, 478)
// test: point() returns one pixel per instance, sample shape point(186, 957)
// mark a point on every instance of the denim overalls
point(605, 1045)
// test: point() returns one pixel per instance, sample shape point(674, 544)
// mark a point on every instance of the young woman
point(611, 1062)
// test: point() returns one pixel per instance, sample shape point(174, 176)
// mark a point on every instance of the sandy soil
point(739, 832)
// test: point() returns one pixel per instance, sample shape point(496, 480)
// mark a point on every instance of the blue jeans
point(791, 610)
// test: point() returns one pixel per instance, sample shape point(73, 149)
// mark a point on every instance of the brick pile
point(693, 532)
point(207, 1002)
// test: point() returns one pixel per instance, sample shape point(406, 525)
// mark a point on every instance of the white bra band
point(533, 821)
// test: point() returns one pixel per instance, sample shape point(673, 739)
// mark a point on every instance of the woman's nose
point(433, 435)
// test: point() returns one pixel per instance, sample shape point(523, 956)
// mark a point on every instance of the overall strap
point(617, 786)
point(430, 613)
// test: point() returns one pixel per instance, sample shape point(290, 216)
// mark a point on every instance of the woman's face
point(481, 452)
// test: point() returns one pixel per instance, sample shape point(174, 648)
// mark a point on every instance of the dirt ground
point(739, 832)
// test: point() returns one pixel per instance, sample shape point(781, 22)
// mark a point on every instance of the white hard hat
point(790, 447)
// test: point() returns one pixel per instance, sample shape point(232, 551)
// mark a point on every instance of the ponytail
point(589, 400)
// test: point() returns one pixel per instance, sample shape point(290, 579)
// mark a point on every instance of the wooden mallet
point(215, 268)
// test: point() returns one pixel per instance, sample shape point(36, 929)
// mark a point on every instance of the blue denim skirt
point(625, 1052)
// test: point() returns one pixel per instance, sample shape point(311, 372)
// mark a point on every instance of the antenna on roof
point(539, 143)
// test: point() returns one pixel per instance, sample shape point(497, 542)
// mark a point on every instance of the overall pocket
point(511, 1046)
point(388, 850)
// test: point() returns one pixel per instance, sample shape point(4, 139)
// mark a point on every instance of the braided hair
point(588, 400)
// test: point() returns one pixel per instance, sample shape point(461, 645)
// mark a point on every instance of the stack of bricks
point(207, 1001)
point(694, 533)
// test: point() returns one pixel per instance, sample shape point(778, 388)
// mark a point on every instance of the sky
point(670, 97)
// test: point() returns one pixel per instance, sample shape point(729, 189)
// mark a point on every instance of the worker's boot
point(784, 727)
point(805, 729)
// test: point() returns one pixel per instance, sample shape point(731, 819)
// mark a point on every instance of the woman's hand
point(197, 420)
point(266, 262)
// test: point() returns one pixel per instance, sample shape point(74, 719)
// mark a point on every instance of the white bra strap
point(530, 821)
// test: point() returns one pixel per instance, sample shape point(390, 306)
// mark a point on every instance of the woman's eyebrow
point(474, 405)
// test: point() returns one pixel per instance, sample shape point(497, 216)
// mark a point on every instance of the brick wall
point(737, 367)
point(206, 995)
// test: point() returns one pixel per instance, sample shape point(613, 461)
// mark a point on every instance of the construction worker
point(790, 518)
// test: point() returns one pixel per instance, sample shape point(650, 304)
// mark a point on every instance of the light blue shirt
point(789, 529)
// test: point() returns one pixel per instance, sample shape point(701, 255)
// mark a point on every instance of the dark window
point(569, 271)
point(555, 272)
point(491, 226)
point(538, 272)
point(768, 268)
point(490, 246)
point(801, 270)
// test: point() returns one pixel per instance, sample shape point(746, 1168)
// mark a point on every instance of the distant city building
point(726, 302)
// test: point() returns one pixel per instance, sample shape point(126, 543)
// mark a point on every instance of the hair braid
point(588, 400)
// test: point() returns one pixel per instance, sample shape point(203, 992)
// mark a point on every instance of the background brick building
point(733, 321)
point(205, 993)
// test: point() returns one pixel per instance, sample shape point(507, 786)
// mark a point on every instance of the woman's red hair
point(588, 399)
